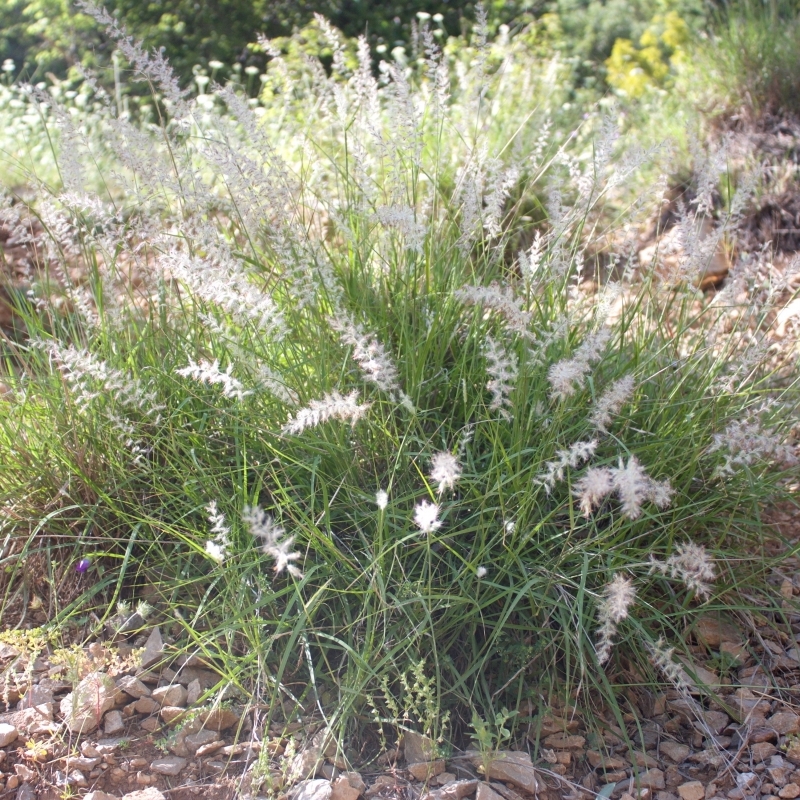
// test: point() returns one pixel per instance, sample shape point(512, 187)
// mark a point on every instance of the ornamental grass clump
point(317, 401)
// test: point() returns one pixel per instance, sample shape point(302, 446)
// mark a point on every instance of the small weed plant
point(358, 422)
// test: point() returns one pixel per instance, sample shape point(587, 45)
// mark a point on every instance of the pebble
point(153, 649)
point(193, 692)
point(133, 687)
point(311, 790)
point(174, 695)
point(169, 765)
point(694, 790)
point(194, 741)
point(171, 714)
point(652, 779)
point(342, 790)
point(784, 723)
point(417, 748)
point(8, 734)
point(789, 792)
point(146, 705)
point(210, 748)
point(485, 792)
point(675, 751)
point(113, 723)
point(145, 794)
point(509, 766)
point(426, 770)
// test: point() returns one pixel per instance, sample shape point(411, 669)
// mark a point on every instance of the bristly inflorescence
point(690, 564)
point(503, 369)
point(610, 403)
point(747, 442)
point(632, 484)
point(217, 547)
point(275, 543)
point(210, 372)
point(569, 375)
point(504, 302)
point(573, 456)
point(618, 597)
point(377, 366)
point(332, 406)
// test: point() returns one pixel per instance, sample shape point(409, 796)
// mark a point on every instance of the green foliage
point(751, 63)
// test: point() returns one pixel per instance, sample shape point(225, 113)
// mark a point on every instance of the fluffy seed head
point(445, 470)
point(426, 516)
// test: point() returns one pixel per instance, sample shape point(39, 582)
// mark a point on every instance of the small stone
point(98, 795)
point(193, 692)
point(738, 652)
point(749, 703)
point(342, 790)
point(174, 695)
point(84, 707)
point(312, 790)
point(12, 782)
point(82, 763)
point(652, 779)
point(144, 794)
point(511, 766)
point(219, 719)
point(171, 714)
point(458, 790)
point(642, 759)
point(746, 780)
point(146, 705)
point(426, 770)
point(793, 752)
point(712, 629)
point(153, 649)
point(717, 721)
point(485, 792)
point(169, 765)
point(113, 723)
point(8, 734)
point(133, 687)
point(356, 781)
point(26, 792)
point(675, 752)
point(76, 778)
point(151, 724)
point(35, 696)
point(194, 741)
point(25, 773)
point(761, 751)
point(210, 748)
point(445, 778)
point(559, 741)
point(790, 791)
point(417, 748)
point(693, 790)
point(784, 722)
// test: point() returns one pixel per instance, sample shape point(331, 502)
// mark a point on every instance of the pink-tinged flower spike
point(426, 516)
point(445, 470)
point(618, 597)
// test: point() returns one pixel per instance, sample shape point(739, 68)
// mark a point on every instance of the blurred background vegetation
point(51, 36)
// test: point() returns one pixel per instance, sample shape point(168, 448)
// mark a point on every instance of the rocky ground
point(133, 720)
